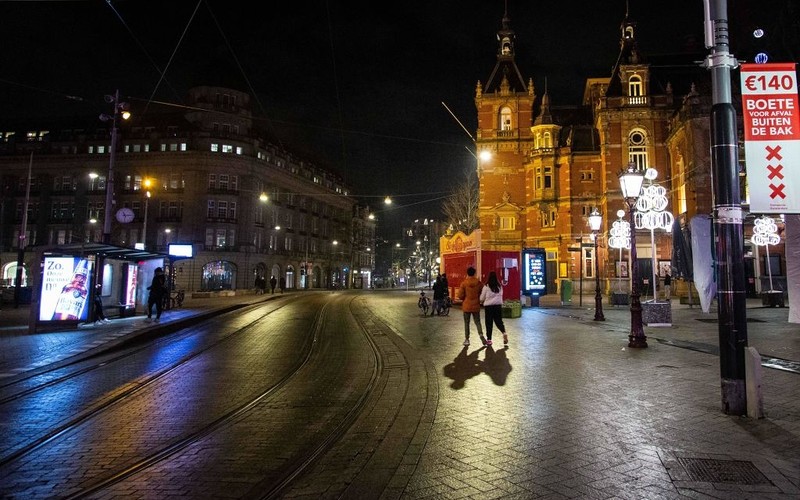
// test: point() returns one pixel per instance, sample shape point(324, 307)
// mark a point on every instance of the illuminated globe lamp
point(652, 214)
point(630, 181)
point(765, 233)
point(620, 237)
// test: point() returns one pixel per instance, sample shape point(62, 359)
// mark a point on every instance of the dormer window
point(505, 118)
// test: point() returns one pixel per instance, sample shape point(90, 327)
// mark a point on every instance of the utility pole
point(23, 233)
point(727, 212)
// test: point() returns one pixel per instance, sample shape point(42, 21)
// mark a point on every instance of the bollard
point(752, 377)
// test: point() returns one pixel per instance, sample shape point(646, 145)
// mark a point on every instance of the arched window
point(635, 87)
point(637, 149)
point(218, 275)
point(505, 118)
point(548, 140)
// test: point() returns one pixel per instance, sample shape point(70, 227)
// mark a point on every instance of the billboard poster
point(66, 282)
point(772, 137)
point(534, 269)
point(131, 279)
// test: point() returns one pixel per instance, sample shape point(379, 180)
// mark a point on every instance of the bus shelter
point(71, 276)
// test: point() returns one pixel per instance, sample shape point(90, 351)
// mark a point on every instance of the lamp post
point(595, 221)
point(120, 109)
point(630, 180)
point(146, 183)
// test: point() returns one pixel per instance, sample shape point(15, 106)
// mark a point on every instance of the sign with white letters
point(772, 137)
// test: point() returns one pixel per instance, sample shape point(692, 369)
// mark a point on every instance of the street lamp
point(595, 221)
point(120, 109)
point(146, 183)
point(630, 181)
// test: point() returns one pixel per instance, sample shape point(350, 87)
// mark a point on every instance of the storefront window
point(219, 275)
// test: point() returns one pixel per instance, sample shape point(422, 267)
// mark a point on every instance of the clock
point(125, 215)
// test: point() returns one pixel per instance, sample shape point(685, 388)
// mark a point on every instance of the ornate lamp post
point(630, 180)
point(595, 221)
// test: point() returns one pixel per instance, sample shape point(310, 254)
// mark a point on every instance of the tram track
point(310, 353)
point(52, 378)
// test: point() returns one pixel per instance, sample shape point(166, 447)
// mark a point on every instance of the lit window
point(215, 148)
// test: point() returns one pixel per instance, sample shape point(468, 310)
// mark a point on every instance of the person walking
point(471, 305)
point(158, 290)
point(492, 300)
point(99, 315)
point(283, 284)
point(272, 283)
point(438, 296)
point(667, 286)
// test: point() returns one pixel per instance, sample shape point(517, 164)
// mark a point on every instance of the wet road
point(356, 395)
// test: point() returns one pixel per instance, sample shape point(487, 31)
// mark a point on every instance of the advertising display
point(772, 137)
point(180, 250)
point(66, 282)
point(534, 270)
point(131, 279)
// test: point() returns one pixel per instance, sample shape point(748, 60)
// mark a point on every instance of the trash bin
point(566, 291)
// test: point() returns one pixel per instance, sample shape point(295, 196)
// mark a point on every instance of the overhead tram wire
point(141, 46)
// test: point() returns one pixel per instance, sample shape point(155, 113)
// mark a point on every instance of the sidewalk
point(21, 351)
point(768, 329)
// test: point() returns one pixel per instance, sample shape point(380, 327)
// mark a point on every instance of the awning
point(105, 250)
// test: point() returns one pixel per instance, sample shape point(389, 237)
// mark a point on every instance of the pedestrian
point(438, 296)
point(471, 305)
point(283, 284)
point(158, 290)
point(259, 285)
point(99, 315)
point(272, 283)
point(492, 300)
point(667, 286)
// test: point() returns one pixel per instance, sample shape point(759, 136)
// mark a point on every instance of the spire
point(505, 73)
point(545, 117)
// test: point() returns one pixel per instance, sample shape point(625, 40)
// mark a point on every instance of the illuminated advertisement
point(66, 282)
point(130, 285)
point(534, 271)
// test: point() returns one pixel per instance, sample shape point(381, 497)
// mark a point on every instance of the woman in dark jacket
point(158, 290)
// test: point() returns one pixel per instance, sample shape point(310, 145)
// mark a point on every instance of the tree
point(460, 208)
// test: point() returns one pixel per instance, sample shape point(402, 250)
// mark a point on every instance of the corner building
point(542, 169)
point(249, 208)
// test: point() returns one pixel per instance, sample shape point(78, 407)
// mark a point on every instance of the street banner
point(772, 137)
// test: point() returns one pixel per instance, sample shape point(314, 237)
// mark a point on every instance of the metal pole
point(110, 180)
point(144, 226)
point(727, 213)
point(636, 337)
point(22, 238)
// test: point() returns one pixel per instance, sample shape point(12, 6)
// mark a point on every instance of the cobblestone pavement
point(566, 410)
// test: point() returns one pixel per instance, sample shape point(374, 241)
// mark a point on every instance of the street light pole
point(595, 221)
point(118, 107)
point(631, 183)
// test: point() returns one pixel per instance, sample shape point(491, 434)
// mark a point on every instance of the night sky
point(355, 87)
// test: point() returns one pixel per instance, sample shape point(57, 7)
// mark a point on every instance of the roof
point(103, 249)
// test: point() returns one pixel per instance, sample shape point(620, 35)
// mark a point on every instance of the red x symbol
point(774, 153)
point(775, 171)
point(777, 191)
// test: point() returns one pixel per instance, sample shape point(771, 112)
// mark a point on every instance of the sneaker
point(466, 342)
point(489, 342)
point(505, 339)
point(483, 339)
point(106, 320)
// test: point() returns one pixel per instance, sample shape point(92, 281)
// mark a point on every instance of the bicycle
point(423, 303)
point(444, 310)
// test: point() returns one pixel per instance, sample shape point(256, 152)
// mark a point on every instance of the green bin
point(566, 291)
